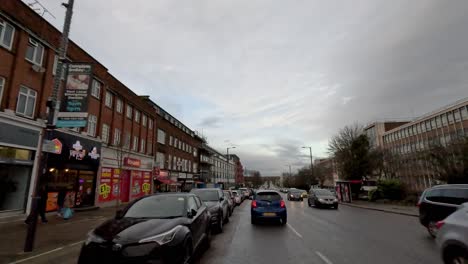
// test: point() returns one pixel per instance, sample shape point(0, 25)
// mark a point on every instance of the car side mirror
point(221, 199)
point(192, 213)
point(119, 214)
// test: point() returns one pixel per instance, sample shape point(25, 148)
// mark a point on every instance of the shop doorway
point(14, 185)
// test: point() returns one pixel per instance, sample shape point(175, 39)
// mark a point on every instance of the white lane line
point(47, 252)
point(325, 259)
point(294, 230)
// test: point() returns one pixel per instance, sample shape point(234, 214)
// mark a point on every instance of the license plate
point(269, 214)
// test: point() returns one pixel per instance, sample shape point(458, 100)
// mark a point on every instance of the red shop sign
point(136, 163)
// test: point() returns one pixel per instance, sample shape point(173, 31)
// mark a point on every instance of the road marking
point(294, 230)
point(13, 221)
point(47, 252)
point(325, 259)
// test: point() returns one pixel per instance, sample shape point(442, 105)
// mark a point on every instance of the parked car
point(452, 237)
point(268, 205)
point(438, 202)
point(237, 198)
point(294, 195)
point(162, 228)
point(231, 203)
point(244, 192)
point(322, 198)
point(217, 205)
point(304, 194)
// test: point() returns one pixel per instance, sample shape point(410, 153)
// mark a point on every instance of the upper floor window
point(26, 102)
point(129, 111)
point(34, 52)
point(135, 143)
point(137, 116)
point(2, 83)
point(117, 134)
point(108, 99)
point(150, 123)
point(105, 133)
point(142, 145)
point(127, 139)
point(464, 113)
point(170, 140)
point(144, 120)
point(92, 122)
point(96, 89)
point(161, 136)
point(119, 105)
point(7, 33)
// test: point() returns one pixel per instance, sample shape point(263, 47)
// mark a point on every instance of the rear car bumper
point(263, 214)
point(322, 204)
point(295, 198)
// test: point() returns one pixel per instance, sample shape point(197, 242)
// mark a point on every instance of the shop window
point(96, 89)
point(105, 133)
point(92, 123)
point(108, 99)
point(144, 120)
point(26, 102)
point(117, 135)
point(7, 34)
point(119, 106)
point(34, 52)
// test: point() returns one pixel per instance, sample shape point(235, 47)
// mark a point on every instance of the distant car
point(304, 194)
point(237, 198)
point(231, 203)
point(268, 205)
point(322, 198)
point(244, 192)
point(294, 195)
point(452, 236)
point(438, 202)
point(217, 205)
point(160, 228)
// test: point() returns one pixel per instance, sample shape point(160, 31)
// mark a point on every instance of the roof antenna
point(39, 8)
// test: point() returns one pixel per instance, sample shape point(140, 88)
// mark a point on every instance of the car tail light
point(282, 204)
point(440, 224)
point(254, 204)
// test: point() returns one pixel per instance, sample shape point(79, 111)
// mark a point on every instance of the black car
point(217, 205)
point(322, 198)
point(295, 195)
point(231, 202)
point(438, 202)
point(161, 228)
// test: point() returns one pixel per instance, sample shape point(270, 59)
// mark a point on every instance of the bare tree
point(451, 161)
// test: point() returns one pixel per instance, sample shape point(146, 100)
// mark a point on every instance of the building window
point(175, 142)
point(135, 143)
point(180, 144)
point(450, 117)
point(127, 140)
point(7, 33)
point(170, 140)
point(2, 84)
point(149, 149)
point(144, 120)
point(96, 89)
point(169, 162)
point(457, 116)
point(174, 163)
point(35, 52)
point(150, 124)
point(160, 160)
point(161, 136)
point(108, 101)
point(464, 113)
point(137, 116)
point(26, 102)
point(92, 122)
point(142, 145)
point(105, 133)
point(129, 111)
point(195, 167)
point(119, 105)
point(117, 137)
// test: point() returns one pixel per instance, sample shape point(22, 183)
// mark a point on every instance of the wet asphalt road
point(323, 236)
point(313, 236)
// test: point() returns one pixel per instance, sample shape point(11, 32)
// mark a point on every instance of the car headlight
point(93, 238)
point(163, 238)
point(292, 195)
point(321, 200)
point(335, 200)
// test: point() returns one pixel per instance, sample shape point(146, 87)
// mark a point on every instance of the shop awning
point(166, 180)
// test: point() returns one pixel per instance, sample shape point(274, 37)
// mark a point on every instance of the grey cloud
point(210, 122)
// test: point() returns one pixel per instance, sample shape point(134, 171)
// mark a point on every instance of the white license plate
point(269, 214)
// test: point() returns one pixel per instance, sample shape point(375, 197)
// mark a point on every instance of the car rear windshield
point(447, 195)
point(268, 196)
point(157, 207)
point(207, 195)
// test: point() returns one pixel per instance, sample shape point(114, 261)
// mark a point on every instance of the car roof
point(206, 189)
point(173, 194)
point(450, 186)
point(264, 191)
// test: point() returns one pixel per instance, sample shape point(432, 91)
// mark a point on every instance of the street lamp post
point(227, 151)
point(311, 161)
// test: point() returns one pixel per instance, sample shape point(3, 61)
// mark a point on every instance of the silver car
point(452, 236)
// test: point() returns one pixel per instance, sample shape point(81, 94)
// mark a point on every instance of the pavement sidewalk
point(388, 208)
point(49, 236)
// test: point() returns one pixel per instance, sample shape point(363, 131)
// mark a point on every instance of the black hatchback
point(438, 202)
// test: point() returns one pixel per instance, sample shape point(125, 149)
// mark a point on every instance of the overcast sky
point(270, 76)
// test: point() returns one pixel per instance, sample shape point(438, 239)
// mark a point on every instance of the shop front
point(162, 182)
point(73, 169)
point(125, 180)
point(19, 143)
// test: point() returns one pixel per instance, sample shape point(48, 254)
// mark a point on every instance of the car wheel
point(455, 256)
point(432, 229)
point(187, 252)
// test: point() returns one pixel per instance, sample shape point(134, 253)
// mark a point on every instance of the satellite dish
point(37, 68)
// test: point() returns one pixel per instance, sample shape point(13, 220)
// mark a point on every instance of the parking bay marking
point(325, 259)
point(294, 230)
point(47, 252)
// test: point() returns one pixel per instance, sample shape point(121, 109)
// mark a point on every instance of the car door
point(197, 220)
point(205, 215)
point(224, 203)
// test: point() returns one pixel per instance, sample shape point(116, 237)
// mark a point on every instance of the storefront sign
point(105, 185)
point(135, 163)
point(146, 186)
point(18, 135)
point(52, 146)
point(136, 190)
point(74, 108)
